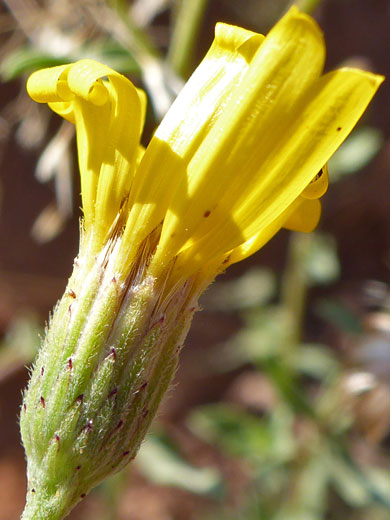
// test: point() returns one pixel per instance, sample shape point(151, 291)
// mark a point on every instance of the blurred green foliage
point(356, 153)
point(160, 461)
point(27, 59)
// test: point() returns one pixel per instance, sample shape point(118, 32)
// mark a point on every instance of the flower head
point(233, 160)
point(241, 153)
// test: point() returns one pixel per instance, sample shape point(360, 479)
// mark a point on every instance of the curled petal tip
point(46, 85)
point(318, 186)
point(305, 215)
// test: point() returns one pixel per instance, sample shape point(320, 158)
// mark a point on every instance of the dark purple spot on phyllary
point(88, 426)
point(158, 322)
point(83, 495)
point(142, 387)
point(43, 402)
point(78, 468)
point(24, 406)
point(119, 425)
point(113, 353)
point(113, 392)
point(80, 398)
point(70, 363)
point(33, 490)
point(42, 371)
point(126, 453)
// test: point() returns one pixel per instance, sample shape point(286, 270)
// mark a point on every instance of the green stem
point(39, 507)
point(108, 358)
point(308, 6)
point(140, 43)
point(187, 23)
point(294, 288)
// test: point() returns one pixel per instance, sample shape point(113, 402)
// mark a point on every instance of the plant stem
point(118, 24)
point(308, 6)
point(187, 23)
point(294, 287)
point(40, 507)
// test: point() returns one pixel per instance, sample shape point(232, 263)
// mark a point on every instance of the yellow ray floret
point(279, 126)
point(240, 154)
point(109, 114)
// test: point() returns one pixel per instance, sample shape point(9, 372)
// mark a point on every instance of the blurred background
point(281, 406)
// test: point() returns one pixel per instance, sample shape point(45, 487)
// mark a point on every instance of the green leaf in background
point(310, 490)
point(320, 259)
point(234, 430)
point(20, 345)
point(27, 59)
point(265, 334)
point(263, 442)
point(357, 486)
point(112, 54)
point(316, 361)
point(161, 463)
point(356, 153)
point(255, 287)
point(336, 313)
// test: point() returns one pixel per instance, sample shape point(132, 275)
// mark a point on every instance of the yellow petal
point(302, 215)
point(45, 86)
point(318, 186)
point(305, 215)
point(224, 169)
point(109, 113)
point(252, 245)
point(236, 158)
point(185, 126)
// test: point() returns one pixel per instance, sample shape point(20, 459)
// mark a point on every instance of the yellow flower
point(233, 159)
point(241, 153)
